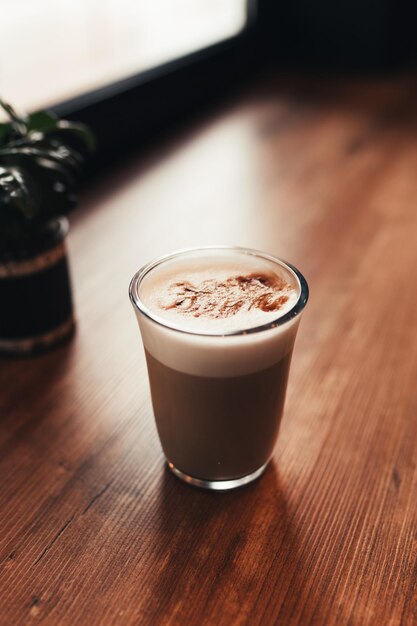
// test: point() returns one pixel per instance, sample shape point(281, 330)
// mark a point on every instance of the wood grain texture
point(93, 530)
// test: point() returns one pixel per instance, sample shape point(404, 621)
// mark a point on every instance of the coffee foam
point(219, 295)
point(217, 355)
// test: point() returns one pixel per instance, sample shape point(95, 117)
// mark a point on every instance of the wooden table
point(93, 529)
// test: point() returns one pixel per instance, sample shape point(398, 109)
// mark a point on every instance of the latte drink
point(218, 326)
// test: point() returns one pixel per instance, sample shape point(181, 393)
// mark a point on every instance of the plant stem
point(18, 122)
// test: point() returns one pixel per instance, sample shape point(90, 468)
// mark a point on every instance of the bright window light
point(52, 50)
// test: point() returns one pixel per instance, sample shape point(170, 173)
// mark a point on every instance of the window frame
point(128, 112)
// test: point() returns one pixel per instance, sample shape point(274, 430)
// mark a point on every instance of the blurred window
point(53, 50)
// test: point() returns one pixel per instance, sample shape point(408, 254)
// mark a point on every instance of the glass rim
point(279, 321)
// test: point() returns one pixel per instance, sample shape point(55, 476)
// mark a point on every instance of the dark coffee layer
point(218, 428)
point(222, 298)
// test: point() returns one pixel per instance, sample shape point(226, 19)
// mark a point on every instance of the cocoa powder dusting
point(220, 299)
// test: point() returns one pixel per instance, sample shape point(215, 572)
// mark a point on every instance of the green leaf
point(5, 130)
point(57, 167)
point(17, 190)
point(62, 155)
point(81, 131)
point(41, 121)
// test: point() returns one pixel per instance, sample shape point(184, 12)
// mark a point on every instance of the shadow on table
point(32, 388)
point(217, 547)
point(44, 368)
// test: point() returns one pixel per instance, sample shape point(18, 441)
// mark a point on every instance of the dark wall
point(351, 34)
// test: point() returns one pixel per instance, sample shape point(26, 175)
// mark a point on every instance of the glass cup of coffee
point(218, 326)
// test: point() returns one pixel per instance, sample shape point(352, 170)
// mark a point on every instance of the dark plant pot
point(36, 310)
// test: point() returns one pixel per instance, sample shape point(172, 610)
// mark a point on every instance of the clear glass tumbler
point(218, 396)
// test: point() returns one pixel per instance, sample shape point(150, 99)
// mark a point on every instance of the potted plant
point(41, 159)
